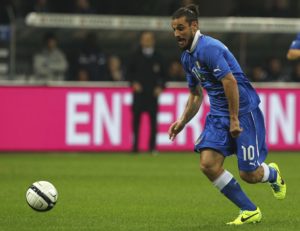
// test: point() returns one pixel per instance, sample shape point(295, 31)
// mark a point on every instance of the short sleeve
point(216, 62)
point(192, 81)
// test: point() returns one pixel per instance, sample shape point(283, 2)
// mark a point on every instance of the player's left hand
point(235, 129)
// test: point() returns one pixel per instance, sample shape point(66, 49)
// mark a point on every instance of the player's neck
point(195, 40)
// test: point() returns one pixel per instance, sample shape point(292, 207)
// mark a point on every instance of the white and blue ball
point(41, 196)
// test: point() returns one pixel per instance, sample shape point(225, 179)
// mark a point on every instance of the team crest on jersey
point(196, 71)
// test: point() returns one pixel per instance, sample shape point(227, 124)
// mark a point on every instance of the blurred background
point(70, 44)
point(262, 55)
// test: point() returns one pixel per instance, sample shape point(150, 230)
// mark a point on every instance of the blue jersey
point(296, 43)
point(207, 63)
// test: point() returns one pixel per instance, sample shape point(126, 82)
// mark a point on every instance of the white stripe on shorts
point(256, 140)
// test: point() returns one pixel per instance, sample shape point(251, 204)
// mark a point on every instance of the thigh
point(216, 136)
point(251, 146)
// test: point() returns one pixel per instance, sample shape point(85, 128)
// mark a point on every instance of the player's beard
point(189, 42)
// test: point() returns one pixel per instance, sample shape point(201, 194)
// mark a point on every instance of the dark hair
point(191, 12)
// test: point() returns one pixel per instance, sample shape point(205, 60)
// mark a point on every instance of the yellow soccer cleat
point(279, 186)
point(247, 217)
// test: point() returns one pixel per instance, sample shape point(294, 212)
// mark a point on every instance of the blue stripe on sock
point(234, 193)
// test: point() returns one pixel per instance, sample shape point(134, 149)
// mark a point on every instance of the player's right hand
point(235, 129)
point(175, 128)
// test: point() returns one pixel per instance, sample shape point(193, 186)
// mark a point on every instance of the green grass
point(121, 192)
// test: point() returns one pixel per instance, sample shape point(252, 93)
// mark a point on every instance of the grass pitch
point(122, 192)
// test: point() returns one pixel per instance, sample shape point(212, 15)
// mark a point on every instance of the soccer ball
point(41, 196)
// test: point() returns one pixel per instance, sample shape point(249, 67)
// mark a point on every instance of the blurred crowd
point(90, 62)
point(258, 8)
point(275, 71)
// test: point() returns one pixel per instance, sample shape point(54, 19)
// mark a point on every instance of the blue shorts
point(250, 146)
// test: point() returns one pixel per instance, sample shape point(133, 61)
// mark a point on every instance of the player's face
point(184, 32)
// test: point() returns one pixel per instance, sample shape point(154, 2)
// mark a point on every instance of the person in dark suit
point(147, 77)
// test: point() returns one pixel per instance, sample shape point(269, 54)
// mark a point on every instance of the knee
point(209, 168)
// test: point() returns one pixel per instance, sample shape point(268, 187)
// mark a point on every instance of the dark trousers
point(151, 110)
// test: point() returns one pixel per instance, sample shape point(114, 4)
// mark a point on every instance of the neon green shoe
point(279, 186)
point(247, 217)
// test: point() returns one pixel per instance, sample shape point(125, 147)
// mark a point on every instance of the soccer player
point(234, 124)
point(294, 50)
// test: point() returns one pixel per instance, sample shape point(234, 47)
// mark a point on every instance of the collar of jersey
point(194, 43)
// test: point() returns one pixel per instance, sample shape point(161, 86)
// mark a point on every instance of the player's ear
point(194, 26)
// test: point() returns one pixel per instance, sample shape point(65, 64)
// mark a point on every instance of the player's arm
point(232, 95)
point(293, 54)
point(191, 108)
point(193, 104)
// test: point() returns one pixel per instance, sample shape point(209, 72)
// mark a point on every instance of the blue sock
point(270, 174)
point(232, 190)
point(273, 175)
